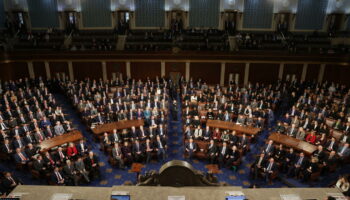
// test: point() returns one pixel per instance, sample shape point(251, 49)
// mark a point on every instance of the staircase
point(121, 42)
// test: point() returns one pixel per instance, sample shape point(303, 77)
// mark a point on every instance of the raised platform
point(162, 193)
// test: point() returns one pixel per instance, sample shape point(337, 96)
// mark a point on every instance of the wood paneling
point(337, 74)
point(296, 69)
point(39, 70)
point(92, 70)
point(234, 68)
point(142, 70)
point(208, 72)
point(263, 72)
point(312, 72)
point(58, 67)
point(115, 67)
point(175, 67)
point(14, 70)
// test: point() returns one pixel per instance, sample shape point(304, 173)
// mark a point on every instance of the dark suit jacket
point(141, 148)
point(7, 183)
point(38, 166)
point(194, 146)
point(225, 153)
point(88, 162)
point(213, 149)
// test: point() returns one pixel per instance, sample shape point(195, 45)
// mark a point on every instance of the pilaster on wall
point(104, 70)
point(188, 71)
point(303, 74)
point(31, 69)
point(70, 70)
point(128, 71)
point(162, 69)
point(280, 71)
point(246, 73)
point(47, 69)
point(222, 74)
point(321, 73)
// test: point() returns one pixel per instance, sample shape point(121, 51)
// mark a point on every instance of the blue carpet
point(111, 176)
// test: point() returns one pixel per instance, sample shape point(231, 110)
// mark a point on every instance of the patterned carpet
point(111, 176)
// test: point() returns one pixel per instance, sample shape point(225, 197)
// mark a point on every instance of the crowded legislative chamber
point(174, 99)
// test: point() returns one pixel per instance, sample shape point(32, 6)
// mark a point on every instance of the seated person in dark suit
point(9, 182)
point(160, 147)
point(269, 169)
point(138, 151)
point(148, 149)
point(127, 153)
point(344, 151)
point(91, 164)
point(299, 165)
point(223, 154)
point(234, 155)
point(57, 177)
point(21, 157)
point(190, 148)
point(98, 119)
point(269, 148)
point(212, 152)
point(82, 147)
point(279, 153)
point(39, 165)
point(330, 161)
point(332, 145)
point(258, 165)
point(319, 153)
point(6, 147)
point(311, 168)
point(70, 173)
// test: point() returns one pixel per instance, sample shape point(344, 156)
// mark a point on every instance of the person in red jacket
point(311, 138)
point(72, 151)
point(216, 135)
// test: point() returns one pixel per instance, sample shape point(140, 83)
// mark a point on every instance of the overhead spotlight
point(338, 3)
point(177, 2)
point(231, 2)
point(285, 3)
point(122, 2)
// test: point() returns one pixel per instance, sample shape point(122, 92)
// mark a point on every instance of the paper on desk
point(18, 194)
point(61, 196)
point(234, 193)
point(337, 196)
point(290, 197)
point(176, 198)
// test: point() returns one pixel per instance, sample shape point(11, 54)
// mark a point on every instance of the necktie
point(300, 160)
point(342, 151)
point(160, 145)
point(260, 160)
point(7, 147)
point(61, 155)
point(11, 179)
point(40, 136)
point(331, 145)
point(223, 150)
point(269, 167)
point(59, 177)
point(268, 148)
point(22, 157)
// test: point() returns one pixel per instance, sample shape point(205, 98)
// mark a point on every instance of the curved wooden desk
point(100, 129)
